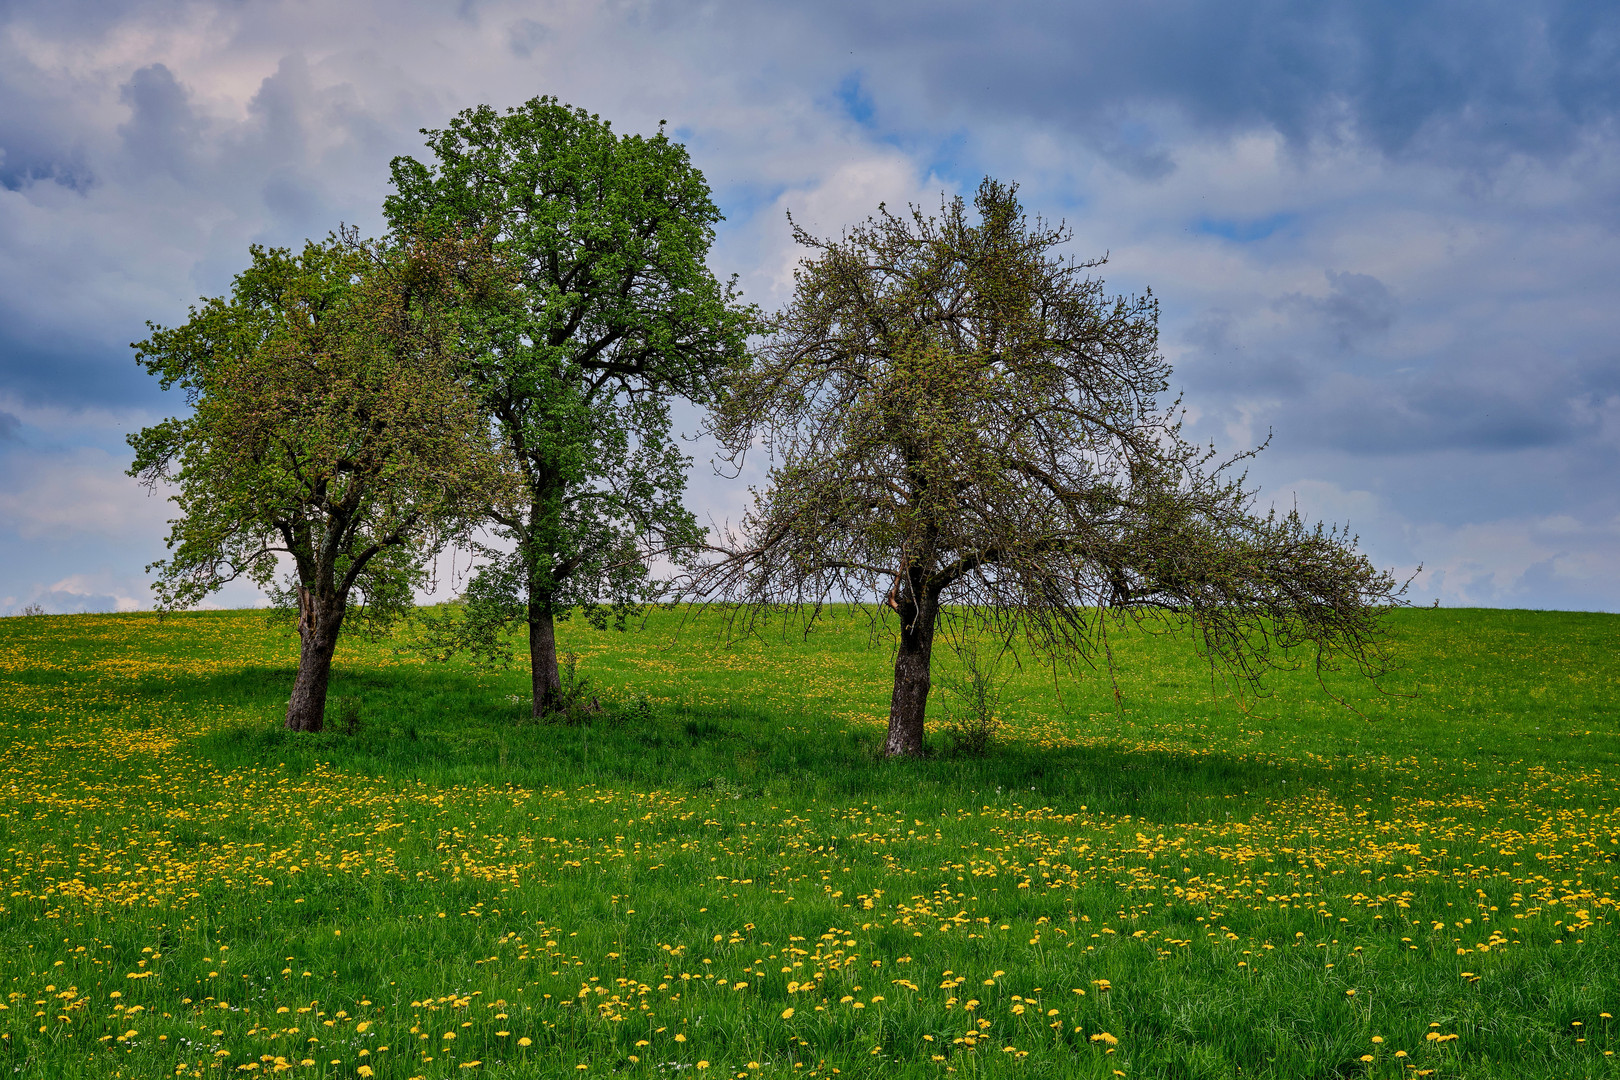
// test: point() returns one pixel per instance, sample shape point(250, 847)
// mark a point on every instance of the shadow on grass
point(446, 727)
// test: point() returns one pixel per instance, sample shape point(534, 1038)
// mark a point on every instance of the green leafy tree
point(328, 429)
point(964, 422)
point(614, 315)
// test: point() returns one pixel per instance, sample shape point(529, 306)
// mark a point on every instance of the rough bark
point(546, 680)
point(908, 707)
point(319, 619)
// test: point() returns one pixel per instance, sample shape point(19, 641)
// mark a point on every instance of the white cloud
point(1552, 561)
point(829, 203)
point(93, 592)
point(81, 492)
point(1323, 500)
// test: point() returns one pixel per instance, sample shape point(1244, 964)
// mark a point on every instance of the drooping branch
point(957, 414)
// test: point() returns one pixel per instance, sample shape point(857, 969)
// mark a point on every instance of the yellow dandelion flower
point(787, 1013)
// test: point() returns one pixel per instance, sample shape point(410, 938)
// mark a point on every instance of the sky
point(1383, 233)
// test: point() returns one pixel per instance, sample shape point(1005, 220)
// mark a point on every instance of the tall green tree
point(962, 420)
point(615, 315)
point(329, 429)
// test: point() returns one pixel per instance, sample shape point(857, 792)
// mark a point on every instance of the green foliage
point(479, 623)
point(327, 425)
point(575, 702)
point(616, 313)
point(348, 714)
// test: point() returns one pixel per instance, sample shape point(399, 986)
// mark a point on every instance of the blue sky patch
point(1241, 231)
point(856, 100)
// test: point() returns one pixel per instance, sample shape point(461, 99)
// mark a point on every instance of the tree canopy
point(329, 429)
point(962, 420)
point(614, 314)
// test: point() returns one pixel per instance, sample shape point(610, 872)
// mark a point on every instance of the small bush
point(348, 720)
point(575, 702)
point(972, 702)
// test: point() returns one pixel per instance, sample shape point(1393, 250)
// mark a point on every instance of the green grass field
point(723, 878)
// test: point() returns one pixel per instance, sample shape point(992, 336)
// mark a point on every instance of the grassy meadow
point(717, 874)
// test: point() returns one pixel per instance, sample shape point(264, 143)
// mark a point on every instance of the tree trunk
point(545, 679)
point(318, 624)
point(909, 705)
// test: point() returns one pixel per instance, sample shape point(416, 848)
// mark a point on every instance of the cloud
point(1383, 231)
point(1490, 407)
point(526, 35)
point(35, 146)
point(82, 492)
point(171, 148)
point(163, 132)
point(1550, 562)
point(1351, 508)
point(1467, 85)
point(1446, 319)
point(1554, 560)
point(1357, 307)
point(91, 592)
point(844, 196)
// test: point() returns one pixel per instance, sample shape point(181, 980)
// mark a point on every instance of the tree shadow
point(449, 726)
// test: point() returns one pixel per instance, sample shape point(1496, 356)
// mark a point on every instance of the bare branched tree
point(962, 420)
